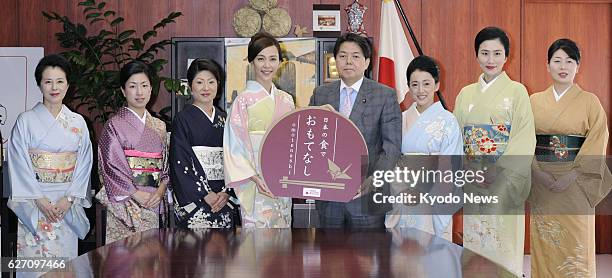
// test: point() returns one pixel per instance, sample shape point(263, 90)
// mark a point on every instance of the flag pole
point(416, 43)
point(407, 23)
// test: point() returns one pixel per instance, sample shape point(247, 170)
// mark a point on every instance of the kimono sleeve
point(516, 161)
point(188, 177)
point(24, 185)
point(457, 111)
point(522, 133)
point(165, 172)
point(594, 176)
point(453, 141)
point(114, 168)
point(237, 149)
point(82, 173)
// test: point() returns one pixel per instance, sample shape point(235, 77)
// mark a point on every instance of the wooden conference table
point(281, 253)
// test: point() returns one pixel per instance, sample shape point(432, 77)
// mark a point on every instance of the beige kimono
point(563, 223)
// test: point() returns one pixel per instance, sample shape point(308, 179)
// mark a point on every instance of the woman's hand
point(262, 187)
point(543, 178)
point(220, 203)
point(155, 198)
point(562, 183)
point(50, 211)
point(490, 175)
point(141, 197)
point(210, 199)
point(327, 107)
point(63, 205)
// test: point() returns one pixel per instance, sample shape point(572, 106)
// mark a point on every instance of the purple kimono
point(132, 157)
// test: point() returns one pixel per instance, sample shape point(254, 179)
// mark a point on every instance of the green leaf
point(158, 46)
point(50, 17)
point(104, 33)
point(97, 58)
point(92, 15)
point(87, 3)
point(126, 34)
point(125, 41)
point(169, 86)
point(137, 45)
point(81, 30)
point(88, 9)
point(95, 20)
point(158, 64)
point(169, 19)
point(126, 60)
point(165, 110)
point(145, 56)
point(117, 21)
point(148, 35)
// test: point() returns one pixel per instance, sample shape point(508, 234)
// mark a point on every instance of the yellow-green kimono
point(252, 113)
point(572, 137)
point(497, 122)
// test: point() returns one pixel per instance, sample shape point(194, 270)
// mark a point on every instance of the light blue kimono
point(36, 130)
point(433, 132)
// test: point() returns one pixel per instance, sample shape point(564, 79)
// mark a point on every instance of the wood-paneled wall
point(445, 30)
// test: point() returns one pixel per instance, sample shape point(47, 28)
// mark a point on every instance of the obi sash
point(53, 167)
point(555, 148)
point(146, 167)
point(211, 159)
point(486, 140)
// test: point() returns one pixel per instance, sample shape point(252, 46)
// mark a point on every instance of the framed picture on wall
point(326, 20)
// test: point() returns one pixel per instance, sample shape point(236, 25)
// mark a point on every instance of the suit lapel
point(359, 105)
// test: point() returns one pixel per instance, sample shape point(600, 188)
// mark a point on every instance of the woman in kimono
point(132, 154)
point(570, 174)
point(49, 154)
point(251, 114)
point(427, 129)
point(196, 153)
point(497, 123)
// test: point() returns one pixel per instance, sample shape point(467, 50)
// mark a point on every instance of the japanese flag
point(394, 51)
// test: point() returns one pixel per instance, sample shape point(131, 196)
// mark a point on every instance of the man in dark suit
point(374, 109)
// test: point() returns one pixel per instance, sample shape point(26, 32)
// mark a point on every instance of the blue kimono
point(49, 158)
point(433, 132)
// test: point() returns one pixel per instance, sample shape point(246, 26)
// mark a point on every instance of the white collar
point(558, 96)
point(356, 86)
point(144, 117)
point(60, 112)
point(414, 108)
point(432, 106)
point(254, 86)
point(212, 117)
point(486, 85)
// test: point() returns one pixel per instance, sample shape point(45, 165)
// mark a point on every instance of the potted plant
point(97, 58)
